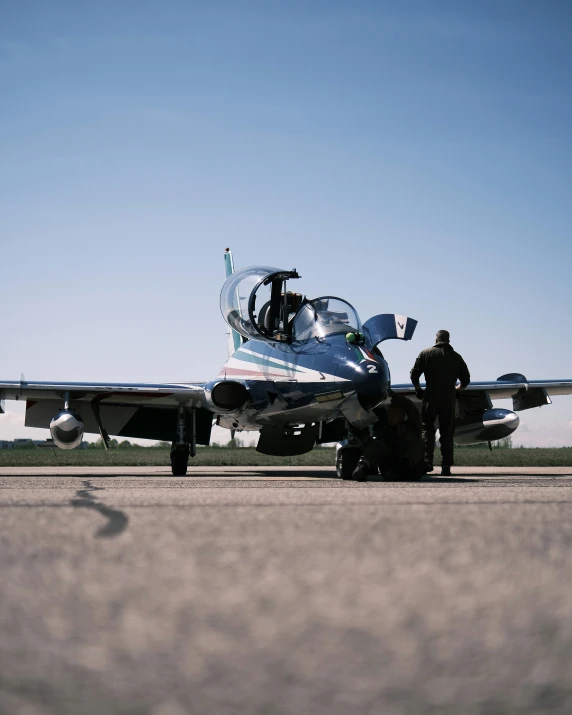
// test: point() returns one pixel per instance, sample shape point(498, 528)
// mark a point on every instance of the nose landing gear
point(349, 452)
point(347, 458)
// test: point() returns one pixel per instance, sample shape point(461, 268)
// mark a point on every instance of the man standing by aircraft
point(442, 367)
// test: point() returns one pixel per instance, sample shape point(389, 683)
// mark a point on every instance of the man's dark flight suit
point(442, 367)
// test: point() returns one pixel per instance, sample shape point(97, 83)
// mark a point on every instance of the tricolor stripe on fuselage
point(250, 364)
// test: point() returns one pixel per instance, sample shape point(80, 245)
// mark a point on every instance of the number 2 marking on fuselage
point(372, 369)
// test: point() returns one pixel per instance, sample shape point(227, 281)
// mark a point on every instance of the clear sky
point(411, 157)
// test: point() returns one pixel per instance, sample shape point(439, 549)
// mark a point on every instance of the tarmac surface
point(264, 590)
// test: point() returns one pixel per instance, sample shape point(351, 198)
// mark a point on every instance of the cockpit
point(325, 316)
point(256, 302)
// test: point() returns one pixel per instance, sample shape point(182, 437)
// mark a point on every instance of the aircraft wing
point(167, 394)
point(144, 410)
point(525, 394)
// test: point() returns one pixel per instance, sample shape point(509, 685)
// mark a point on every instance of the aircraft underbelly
point(315, 412)
point(286, 402)
point(303, 402)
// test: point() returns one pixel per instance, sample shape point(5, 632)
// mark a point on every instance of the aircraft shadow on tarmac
point(116, 520)
point(424, 480)
point(448, 480)
point(321, 475)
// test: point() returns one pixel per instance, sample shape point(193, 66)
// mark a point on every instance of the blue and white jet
point(301, 372)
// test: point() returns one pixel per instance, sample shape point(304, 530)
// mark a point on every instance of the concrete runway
point(284, 591)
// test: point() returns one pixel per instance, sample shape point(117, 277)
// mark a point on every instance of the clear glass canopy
point(235, 297)
point(254, 301)
point(325, 316)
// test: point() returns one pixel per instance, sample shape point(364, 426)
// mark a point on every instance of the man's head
point(442, 336)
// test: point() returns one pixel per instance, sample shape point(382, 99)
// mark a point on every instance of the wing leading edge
point(167, 394)
point(525, 394)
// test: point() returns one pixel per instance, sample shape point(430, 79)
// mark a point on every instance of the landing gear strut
point(186, 442)
point(348, 453)
point(347, 459)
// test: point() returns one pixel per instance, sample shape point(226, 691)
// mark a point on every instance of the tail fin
point(234, 339)
point(228, 262)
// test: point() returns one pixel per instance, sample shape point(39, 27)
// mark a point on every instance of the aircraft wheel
point(179, 459)
point(346, 461)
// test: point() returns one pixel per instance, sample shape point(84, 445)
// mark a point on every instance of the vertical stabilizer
point(234, 339)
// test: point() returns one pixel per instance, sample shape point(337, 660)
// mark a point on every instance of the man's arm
point(463, 374)
point(416, 371)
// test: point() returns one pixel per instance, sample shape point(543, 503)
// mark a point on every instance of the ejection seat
point(293, 303)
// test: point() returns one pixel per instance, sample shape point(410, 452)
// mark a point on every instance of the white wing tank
point(67, 429)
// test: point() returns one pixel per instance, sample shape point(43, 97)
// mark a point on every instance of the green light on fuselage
point(354, 337)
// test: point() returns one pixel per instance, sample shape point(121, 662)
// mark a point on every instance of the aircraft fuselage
point(308, 381)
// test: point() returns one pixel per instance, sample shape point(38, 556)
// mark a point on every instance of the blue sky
point(411, 157)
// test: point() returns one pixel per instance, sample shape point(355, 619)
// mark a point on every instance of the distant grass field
point(247, 456)
point(156, 457)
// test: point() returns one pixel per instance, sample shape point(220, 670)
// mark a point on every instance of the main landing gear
point(185, 443)
point(348, 453)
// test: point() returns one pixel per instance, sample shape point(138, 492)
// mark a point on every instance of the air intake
point(229, 395)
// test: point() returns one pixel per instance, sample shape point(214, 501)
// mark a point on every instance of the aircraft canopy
point(325, 316)
point(254, 301)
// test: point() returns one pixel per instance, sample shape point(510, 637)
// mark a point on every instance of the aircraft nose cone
point(372, 384)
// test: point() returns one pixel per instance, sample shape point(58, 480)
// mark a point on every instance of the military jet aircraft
point(301, 371)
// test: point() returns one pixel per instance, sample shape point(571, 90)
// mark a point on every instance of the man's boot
point(445, 471)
